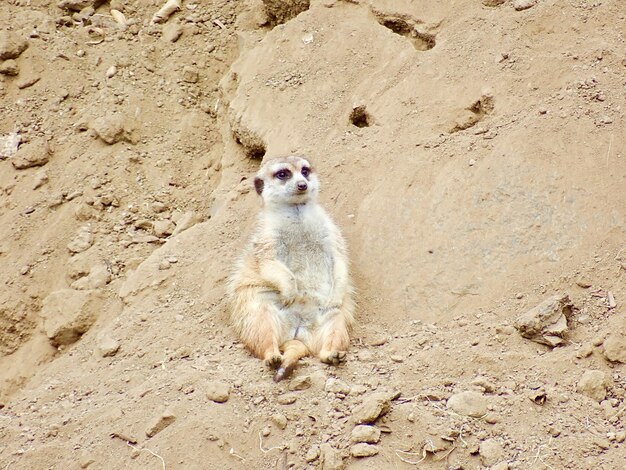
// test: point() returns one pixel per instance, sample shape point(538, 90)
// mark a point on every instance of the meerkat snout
point(302, 186)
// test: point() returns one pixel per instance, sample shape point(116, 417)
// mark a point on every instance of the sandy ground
point(473, 154)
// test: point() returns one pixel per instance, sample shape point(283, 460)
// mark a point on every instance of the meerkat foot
point(273, 360)
point(334, 357)
point(293, 351)
point(282, 372)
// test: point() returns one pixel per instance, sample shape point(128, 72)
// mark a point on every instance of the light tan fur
point(291, 292)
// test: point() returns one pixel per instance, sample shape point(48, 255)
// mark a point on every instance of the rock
point(539, 396)
point(41, 178)
point(468, 403)
point(117, 5)
point(11, 45)
point(280, 420)
point(601, 442)
point(32, 155)
point(164, 265)
point(312, 454)
point(218, 392)
point(111, 71)
point(9, 67)
point(75, 5)
point(170, 7)
point(610, 297)
point(190, 74)
point(144, 224)
point(108, 347)
point(364, 433)
point(491, 452)
point(9, 144)
point(330, 459)
point(114, 128)
point(358, 389)
point(585, 350)
point(373, 406)
point(615, 347)
point(172, 32)
point(583, 282)
point(82, 241)
point(68, 314)
point(186, 221)
point(286, 398)
point(493, 3)
point(336, 386)
point(98, 277)
point(119, 18)
point(163, 228)
point(485, 384)
point(84, 212)
point(434, 445)
point(158, 207)
point(547, 322)
point(520, 5)
point(86, 461)
point(378, 340)
point(160, 423)
point(318, 379)
point(300, 383)
point(363, 450)
point(593, 383)
point(27, 81)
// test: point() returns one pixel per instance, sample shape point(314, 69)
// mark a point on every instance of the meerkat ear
point(258, 185)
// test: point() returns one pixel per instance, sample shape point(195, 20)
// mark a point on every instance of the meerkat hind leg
point(293, 350)
point(334, 341)
point(261, 335)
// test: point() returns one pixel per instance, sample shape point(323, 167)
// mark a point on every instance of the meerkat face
point(289, 180)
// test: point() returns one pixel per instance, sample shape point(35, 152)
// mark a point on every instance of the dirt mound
point(473, 155)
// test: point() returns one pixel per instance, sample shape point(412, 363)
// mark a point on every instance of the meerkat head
point(289, 180)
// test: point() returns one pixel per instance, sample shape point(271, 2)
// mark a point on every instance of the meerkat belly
point(308, 258)
point(306, 255)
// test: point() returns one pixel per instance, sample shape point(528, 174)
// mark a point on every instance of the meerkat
point(291, 292)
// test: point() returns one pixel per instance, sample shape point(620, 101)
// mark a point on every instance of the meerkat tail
point(293, 350)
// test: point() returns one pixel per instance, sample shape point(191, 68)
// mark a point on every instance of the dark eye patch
point(283, 174)
point(306, 171)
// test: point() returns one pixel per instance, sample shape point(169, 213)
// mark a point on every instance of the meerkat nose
point(302, 186)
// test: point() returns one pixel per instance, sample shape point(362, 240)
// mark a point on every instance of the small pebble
point(520, 5)
point(363, 450)
point(364, 433)
point(108, 347)
point(160, 423)
point(286, 398)
point(312, 454)
point(218, 392)
point(279, 420)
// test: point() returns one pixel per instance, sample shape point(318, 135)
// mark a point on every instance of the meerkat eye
point(283, 174)
point(306, 171)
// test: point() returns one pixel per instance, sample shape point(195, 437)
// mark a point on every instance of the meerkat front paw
point(290, 295)
point(334, 357)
